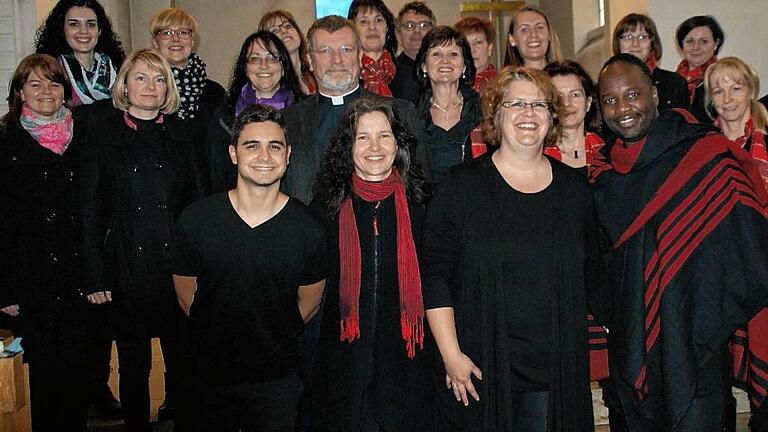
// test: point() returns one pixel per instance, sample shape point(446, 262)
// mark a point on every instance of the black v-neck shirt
point(244, 319)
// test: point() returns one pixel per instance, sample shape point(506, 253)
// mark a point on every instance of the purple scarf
point(282, 98)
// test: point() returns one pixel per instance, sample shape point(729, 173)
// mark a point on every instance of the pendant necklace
point(445, 110)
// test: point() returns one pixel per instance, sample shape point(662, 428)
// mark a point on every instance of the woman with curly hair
point(375, 26)
point(508, 249)
point(79, 34)
point(283, 24)
point(263, 74)
point(372, 366)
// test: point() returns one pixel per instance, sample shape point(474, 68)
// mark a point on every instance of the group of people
point(351, 239)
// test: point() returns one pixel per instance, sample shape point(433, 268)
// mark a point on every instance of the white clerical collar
point(339, 100)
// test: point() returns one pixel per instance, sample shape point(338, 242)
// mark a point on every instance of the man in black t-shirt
point(249, 270)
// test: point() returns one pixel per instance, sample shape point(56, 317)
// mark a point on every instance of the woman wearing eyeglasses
point(375, 25)
point(636, 34)
point(283, 24)
point(174, 35)
point(79, 34)
point(508, 250)
point(263, 74)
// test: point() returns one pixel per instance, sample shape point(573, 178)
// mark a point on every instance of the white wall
point(743, 22)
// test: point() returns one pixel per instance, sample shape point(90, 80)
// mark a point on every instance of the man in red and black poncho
point(686, 216)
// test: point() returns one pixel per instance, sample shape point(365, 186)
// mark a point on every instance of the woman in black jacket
point(636, 34)
point(140, 175)
point(373, 360)
point(40, 148)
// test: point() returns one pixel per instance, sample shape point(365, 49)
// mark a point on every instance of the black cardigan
point(462, 269)
point(672, 89)
point(375, 369)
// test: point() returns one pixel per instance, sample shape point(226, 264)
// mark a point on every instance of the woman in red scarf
point(375, 25)
point(372, 367)
point(636, 34)
point(480, 34)
point(699, 39)
point(731, 98)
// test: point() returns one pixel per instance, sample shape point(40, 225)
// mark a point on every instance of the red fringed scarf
point(482, 78)
point(409, 279)
point(694, 76)
point(651, 62)
point(757, 147)
point(377, 74)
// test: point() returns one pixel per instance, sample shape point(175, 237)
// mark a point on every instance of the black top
point(454, 146)
point(245, 312)
point(136, 183)
point(672, 89)
point(373, 370)
point(462, 268)
point(40, 246)
point(526, 270)
point(404, 85)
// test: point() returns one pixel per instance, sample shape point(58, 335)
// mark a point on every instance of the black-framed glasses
point(413, 25)
point(643, 37)
point(284, 26)
point(521, 105)
point(166, 34)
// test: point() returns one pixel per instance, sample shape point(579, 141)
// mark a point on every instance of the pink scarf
point(54, 134)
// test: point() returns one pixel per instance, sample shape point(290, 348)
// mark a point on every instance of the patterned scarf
point(753, 141)
point(409, 280)
point(191, 83)
point(282, 98)
point(377, 74)
point(91, 85)
point(483, 78)
point(54, 134)
point(694, 76)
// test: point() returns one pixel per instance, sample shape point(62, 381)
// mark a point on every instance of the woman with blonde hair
point(139, 175)
point(531, 40)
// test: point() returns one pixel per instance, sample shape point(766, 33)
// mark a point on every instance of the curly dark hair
point(440, 36)
point(334, 180)
point(50, 36)
point(359, 6)
point(275, 46)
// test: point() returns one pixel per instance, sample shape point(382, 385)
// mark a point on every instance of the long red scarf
point(757, 147)
point(377, 74)
point(409, 279)
point(694, 76)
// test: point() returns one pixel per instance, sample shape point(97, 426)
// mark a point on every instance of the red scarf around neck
point(757, 147)
point(482, 78)
point(623, 158)
point(409, 279)
point(651, 61)
point(377, 74)
point(694, 76)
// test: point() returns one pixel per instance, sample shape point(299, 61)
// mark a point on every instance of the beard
point(341, 84)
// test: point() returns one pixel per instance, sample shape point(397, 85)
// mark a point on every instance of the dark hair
point(419, 8)
point(474, 24)
point(287, 16)
point(440, 36)
point(334, 179)
point(275, 46)
point(633, 21)
point(43, 64)
point(629, 58)
point(332, 24)
point(569, 67)
point(358, 6)
point(50, 36)
point(256, 114)
point(699, 21)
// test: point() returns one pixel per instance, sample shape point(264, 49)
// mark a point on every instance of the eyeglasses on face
point(283, 26)
point(520, 105)
point(166, 34)
point(256, 59)
point(643, 37)
point(328, 51)
point(411, 25)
